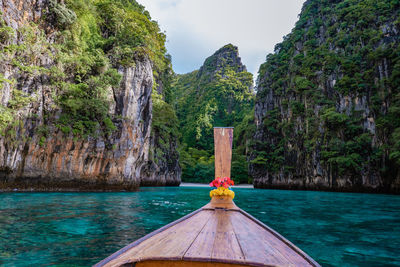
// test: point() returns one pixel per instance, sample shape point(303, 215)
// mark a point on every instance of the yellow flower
point(222, 191)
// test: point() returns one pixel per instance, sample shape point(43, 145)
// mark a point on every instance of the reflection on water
point(73, 229)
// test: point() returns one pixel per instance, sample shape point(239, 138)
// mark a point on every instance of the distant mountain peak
point(225, 57)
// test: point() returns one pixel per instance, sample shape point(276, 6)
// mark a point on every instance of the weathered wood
point(123, 250)
point(289, 245)
point(185, 264)
point(255, 242)
point(226, 246)
point(202, 248)
point(214, 235)
point(223, 151)
point(171, 243)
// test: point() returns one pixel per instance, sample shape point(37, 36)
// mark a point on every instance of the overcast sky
point(197, 28)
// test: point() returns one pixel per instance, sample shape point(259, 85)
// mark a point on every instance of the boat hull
point(218, 234)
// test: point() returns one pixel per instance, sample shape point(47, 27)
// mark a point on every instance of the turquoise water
point(80, 229)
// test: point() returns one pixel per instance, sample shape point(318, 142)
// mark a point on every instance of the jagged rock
point(225, 57)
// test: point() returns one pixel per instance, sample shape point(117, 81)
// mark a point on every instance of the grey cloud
point(196, 28)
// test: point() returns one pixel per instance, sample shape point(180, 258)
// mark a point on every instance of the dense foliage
point(92, 39)
point(219, 94)
point(336, 83)
point(104, 36)
point(165, 132)
point(23, 56)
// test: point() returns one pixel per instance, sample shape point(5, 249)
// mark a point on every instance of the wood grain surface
point(223, 151)
point(184, 264)
point(214, 236)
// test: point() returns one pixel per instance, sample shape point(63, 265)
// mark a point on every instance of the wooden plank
point(217, 241)
point(217, 235)
point(226, 247)
point(142, 239)
point(289, 245)
point(175, 243)
point(202, 246)
point(185, 264)
point(255, 243)
point(169, 244)
point(259, 245)
point(223, 151)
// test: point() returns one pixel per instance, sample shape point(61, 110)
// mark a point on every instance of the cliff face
point(327, 101)
point(38, 149)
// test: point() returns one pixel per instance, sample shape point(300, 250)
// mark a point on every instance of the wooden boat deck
point(218, 234)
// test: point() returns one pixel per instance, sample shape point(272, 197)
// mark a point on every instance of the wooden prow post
point(223, 137)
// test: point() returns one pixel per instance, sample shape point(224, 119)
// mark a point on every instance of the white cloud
point(197, 28)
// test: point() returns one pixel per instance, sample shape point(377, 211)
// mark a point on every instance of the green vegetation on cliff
point(102, 36)
point(92, 39)
point(165, 132)
point(219, 94)
point(23, 56)
point(331, 95)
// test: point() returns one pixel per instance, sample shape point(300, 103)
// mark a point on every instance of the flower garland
point(222, 185)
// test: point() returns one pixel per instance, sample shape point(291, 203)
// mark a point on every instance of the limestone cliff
point(327, 106)
point(38, 148)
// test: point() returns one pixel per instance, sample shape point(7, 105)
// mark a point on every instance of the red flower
point(225, 182)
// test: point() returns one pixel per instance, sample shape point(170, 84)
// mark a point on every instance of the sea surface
point(80, 229)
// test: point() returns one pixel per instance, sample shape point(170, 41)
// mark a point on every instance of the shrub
point(61, 14)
